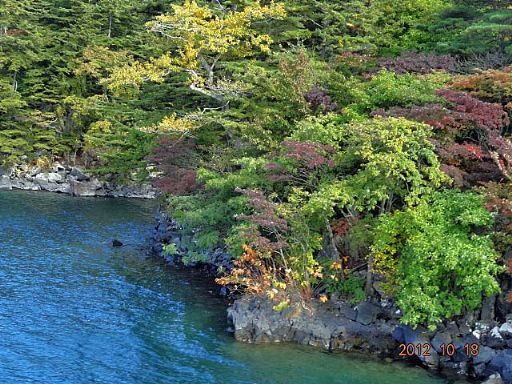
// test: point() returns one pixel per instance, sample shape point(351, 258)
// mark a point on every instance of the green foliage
point(170, 249)
point(334, 281)
point(387, 89)
point(386, 25)
point(436, 265)
point(386, 162)
point(469, 30)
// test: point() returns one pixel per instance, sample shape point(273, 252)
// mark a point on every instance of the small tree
point(202, 38)
point(434, 263)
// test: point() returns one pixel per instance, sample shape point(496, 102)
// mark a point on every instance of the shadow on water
point(73, 309)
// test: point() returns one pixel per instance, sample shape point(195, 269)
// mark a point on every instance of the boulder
point(55, 178)
point(116, 243)
point(367, 313)
point(502, 364)
point(52, 182)
point(5, 183)
point(439, 339)
point(78, 175)
point(83, 189)
point(494, 339)
point(406, 335)
point(506, 330)
point(494, 379)
point(255, 321)
point(485, 354)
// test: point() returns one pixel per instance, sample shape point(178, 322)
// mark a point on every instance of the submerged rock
point(116, 243)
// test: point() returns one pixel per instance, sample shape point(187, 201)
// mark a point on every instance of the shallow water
point(75, 310)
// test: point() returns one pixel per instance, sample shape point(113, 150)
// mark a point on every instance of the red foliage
point(305, 159)
point(469, 136)
point(264, 212)
point(422, 63)
point(319, 100)
point(268, 221)
point(16, 32)
point(466, 114)
point(310, 154)
point(493, 85)
point(482, 115)
point(175, 159)
point(433, 114)
point(341, 227)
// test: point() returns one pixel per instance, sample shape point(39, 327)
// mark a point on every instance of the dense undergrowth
point(333, 147)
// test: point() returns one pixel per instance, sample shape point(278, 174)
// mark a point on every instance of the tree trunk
point(330, 249)
point(369, 277)
point(15, 81)
point(110, 25)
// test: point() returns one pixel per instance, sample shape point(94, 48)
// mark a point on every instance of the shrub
point(416, 62)
point(434, 264)
point(388, 89)
point(176, 160)
point(494, 86)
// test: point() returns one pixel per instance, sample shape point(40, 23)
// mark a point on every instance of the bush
point(494, 86)
point(388, 89)
point(435, 265)
point(421, 63)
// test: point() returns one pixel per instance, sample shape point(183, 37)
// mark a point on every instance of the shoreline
point(72, 181)
point(371, 327)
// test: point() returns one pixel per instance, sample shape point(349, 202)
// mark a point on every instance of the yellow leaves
point(96, 132)
point(203, 36)
point(172, 124)
point(323, 298)
point(280, 285)
point(282, 305)
point(136, 73)
point(98, 61)
point(44, 162)
point(336, 265)
point(271, 294)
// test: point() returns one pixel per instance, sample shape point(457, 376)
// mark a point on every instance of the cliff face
point(374, 327)
point(69, 180)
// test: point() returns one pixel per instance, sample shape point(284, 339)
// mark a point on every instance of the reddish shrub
point(319, 100)
point(309, 154)
point(267, 238)
point(468, 136)
point(176, 160)
point(422, 63)
point(493, 86)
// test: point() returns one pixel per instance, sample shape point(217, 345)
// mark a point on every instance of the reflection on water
point(75, 310)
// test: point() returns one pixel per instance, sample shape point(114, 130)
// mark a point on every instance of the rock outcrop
point(69, 180)
point(167, 232)
point(375, 328)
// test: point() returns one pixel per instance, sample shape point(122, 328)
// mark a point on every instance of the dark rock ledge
point(370, 327)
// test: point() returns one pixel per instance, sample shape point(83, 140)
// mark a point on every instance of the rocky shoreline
point(369, 327)
point(69, 180)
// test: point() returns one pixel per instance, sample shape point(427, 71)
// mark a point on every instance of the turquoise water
point(75, 310)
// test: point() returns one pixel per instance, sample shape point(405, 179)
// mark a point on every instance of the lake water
point(75, 310)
